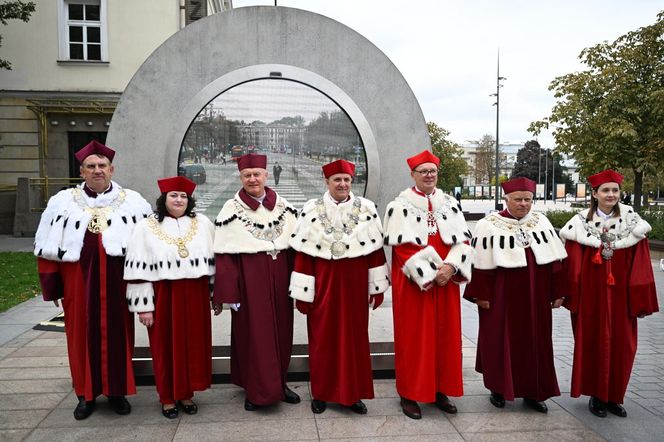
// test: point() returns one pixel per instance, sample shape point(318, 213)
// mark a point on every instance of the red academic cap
point(92, 148)
point(521, 184)
point(252, 161)
point(339, 166)
point(423, 157)
point(607, 176)
point(177, 184)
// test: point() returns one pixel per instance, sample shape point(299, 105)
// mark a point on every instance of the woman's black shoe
point(597, 407)
point(358, 407)
point(170, 413)
point(318, 406)
point(616, 409)
point(84, 408)
point(290, 397)
point(189, 408)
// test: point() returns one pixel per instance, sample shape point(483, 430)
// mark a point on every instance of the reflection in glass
point(296, 126)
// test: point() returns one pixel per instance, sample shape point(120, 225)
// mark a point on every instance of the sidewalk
point(36, 399)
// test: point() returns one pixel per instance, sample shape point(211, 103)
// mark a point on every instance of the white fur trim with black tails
point(63, 224)
point(423, 266)
point(379, 279)
point(242, 230)
point(629, 228)
point(406, 219)
point(496, 243)
point(302, 287)
point(140, 297)
point(461, 257)
point(361, 237)
point(152, 259)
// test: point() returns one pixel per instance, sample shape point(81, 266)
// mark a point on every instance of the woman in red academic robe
point(168, 268)
point(611, 285)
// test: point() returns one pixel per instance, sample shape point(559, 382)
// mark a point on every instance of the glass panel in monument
point(297, 127)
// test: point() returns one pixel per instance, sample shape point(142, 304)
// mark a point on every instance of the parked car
point(195, 172)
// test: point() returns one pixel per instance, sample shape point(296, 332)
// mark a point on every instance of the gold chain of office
point(98, 215)
point(180, 242)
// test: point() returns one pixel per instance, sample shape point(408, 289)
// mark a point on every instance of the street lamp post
point(497, 104)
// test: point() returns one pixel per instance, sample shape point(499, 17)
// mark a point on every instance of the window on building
point(83, 30)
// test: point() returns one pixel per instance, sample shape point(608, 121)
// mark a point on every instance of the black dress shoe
point(84, 408)
point(497, 400)
point(597, 407)
point(318, 406)
point(120, 404)
point(290, 397)
point(358, 407)
point(616, 409)
point(443, 402)
point(170, 413)
point(411, 409)
point(189, 408)
point(249, 406)
point(535, 405)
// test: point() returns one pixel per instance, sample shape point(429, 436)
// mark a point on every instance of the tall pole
point(553, 177)
point(497, 104)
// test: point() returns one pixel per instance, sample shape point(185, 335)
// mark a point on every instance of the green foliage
point(19, 280)
point(485, 160)
point(558, 218)
point(656, 220)
point(452, 164)
point(14, 10)
point(535, 163)
point(611, 115)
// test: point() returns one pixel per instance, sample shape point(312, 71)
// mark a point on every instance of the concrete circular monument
point(228, 49)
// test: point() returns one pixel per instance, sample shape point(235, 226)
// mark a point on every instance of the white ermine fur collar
point(63, 224)
point(242, 230)
point(150, 258)
point(501, 242)
point(336, 231)
point(406, 219)
point(629, 228)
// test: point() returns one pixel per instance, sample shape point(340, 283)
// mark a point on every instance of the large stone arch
point(223, 50)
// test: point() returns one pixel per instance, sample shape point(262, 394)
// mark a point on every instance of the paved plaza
point(36, 397)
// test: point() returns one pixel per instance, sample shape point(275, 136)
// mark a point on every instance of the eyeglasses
point(427, 172)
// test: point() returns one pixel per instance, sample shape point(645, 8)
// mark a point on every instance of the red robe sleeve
point(572, 267)
point(641, 292)
point(226, 278)
point(482, 286)
point(304, 264)
point(50, 279)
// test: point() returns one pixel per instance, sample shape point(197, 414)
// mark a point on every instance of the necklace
point(520, 228)
point(338, 247)
point(608, 239)
point(180, 242)
point(98, 215)
point(270, 232)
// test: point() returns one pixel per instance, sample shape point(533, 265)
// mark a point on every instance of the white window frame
point(63, 30)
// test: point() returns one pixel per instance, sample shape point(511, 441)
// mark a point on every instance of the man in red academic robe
point(253, 266)
point(80, 244)
point(611, 286)
point(516, 282)
point(340, 270)
point(430, 256)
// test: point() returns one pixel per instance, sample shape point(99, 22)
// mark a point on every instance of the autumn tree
point(452, 164)
point(485, 159)
point(611, 115)
point(537, 164)
point(14, 10)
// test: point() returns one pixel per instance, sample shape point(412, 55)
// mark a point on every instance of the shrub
point(558, 218)
point(656, 220)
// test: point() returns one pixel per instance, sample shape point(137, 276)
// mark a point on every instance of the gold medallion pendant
point(338, 248)
point(179, 242)
point(182, 249)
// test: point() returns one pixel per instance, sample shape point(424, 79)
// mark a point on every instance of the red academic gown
point(427, 331)
point(604, 317)
point(338, 327)
point(514, 348)
point(181, 338)
point(99, 328)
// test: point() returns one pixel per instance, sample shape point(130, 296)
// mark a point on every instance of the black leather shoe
point(443, 402)
point(189, 408)
point(318, 406)
point(597, 407)
point(358, 407)
point(290, 397)
point(120, 404)
point(84, 409)
point(170, 413)
point(411, 409)
point(535, 405)
point(497, 400)
point(249, 406)
point(616, 409)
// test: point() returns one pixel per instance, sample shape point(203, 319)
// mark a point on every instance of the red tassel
point(597, 258)
point(610, 280)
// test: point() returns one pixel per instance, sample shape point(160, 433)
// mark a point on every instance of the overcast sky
point(447, 50)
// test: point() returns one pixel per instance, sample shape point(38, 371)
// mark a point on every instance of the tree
point(14, 10)
point(485, 159)
point(453, 166)
point(612, 113)
point(536, 163)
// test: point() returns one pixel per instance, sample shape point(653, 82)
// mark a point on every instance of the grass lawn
point(19, 280)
